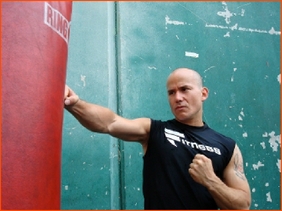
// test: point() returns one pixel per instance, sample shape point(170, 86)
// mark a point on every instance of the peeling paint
point(82, 78)
point(272, 31)
point(263, 145)
point(168, 21)
point(241, 115)
point(265, 134)
point(278, 164)
point(268, 197)
point(232, 78)
point(209, 69)
point(152, 68)
point(226, 13)
point(257, 166)
point(227, 34)
point(245, 135)
point(191, 54)
point(274, 141)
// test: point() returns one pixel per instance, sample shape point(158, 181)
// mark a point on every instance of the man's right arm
point(102, 120)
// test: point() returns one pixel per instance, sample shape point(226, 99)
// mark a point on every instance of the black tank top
point(171, 148)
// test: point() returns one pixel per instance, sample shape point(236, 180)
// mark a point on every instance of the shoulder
point(222, 141)
point(221, 137)
point(161, 124)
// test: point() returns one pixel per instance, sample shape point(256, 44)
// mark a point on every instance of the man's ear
point(205, 93)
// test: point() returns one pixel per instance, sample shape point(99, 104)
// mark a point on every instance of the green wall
point(120, 55)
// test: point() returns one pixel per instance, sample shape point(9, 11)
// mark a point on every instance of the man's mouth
point(179, 107)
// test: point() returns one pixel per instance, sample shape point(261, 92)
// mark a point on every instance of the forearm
point(228, 198)
point(93, 117)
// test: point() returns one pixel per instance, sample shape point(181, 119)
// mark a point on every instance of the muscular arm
point(102, 120)
point(233, 191)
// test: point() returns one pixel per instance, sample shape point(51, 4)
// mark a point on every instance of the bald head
point(186, 95)
point(186, 72)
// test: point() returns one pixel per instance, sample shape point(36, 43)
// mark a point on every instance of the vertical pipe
point(115, 177)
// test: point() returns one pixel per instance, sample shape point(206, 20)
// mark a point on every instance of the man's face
point(186, 95)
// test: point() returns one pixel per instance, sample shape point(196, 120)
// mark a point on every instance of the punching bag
point(35, 39)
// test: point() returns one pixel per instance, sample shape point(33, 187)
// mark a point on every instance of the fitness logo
point(56, 21)
point(174, 136)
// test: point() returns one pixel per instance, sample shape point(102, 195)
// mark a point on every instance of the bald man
point(187, 165)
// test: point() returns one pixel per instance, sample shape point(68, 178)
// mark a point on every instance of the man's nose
point(178, 97)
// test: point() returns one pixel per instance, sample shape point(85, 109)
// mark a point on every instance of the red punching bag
point(35, 39)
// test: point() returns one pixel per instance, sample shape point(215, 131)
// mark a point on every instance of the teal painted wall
point(120, 55)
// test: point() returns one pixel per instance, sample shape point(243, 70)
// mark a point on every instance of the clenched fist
point(70, 97)
point(201, 169)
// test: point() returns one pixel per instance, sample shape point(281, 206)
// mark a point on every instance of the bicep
point(234, 175)
point(130, 129)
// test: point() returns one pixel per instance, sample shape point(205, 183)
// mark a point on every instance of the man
point(187, 165)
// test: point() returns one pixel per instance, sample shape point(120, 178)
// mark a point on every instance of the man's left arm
point(233, 192)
